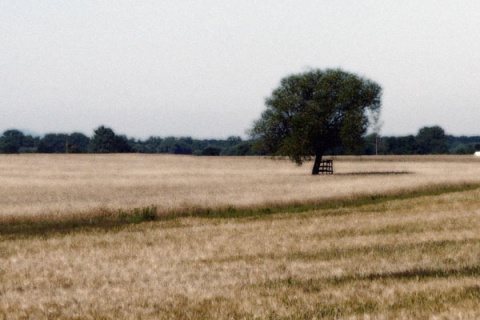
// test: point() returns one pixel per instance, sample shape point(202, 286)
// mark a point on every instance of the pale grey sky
point(204, 68)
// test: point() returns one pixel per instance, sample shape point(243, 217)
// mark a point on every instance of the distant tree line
point(105, 140)
point(429, 140)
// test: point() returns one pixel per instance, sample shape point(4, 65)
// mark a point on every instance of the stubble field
point(384, 237)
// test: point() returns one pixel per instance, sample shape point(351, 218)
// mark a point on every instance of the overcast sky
point(204, 68)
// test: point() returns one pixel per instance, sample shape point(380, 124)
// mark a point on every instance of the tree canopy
point(432, 140)
point(11, 141)
point(106, 141)
point(316, 111)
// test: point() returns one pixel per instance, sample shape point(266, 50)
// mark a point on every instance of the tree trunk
point(316, 164)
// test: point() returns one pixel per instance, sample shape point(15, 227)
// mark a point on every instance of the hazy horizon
point(204, 69)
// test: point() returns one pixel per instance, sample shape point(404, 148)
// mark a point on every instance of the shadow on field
point(414, 274)
point(374, 173)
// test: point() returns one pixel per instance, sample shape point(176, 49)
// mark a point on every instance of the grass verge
point(110, 219)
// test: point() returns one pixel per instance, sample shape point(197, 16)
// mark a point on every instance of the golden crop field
point(384, 237)
point(56, 186)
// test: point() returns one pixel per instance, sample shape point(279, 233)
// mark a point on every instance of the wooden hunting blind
point(326, 167)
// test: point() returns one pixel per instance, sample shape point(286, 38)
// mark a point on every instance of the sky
point(204, 68)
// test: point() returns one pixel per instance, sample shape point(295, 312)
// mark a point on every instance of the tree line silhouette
point(429, 140)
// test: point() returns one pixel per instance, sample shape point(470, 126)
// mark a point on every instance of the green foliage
point(122, 145)
point(106, 141)
point(11, 141)
point(152, 145)
point(138, 215)
point(245, 148)
point(233, 141)
point(432, 140)
point(53, 143)
point(429, 140)
point(103, 140)
point(78, 143)
point(176, 145)
point(14, 141)
point(29, 144)
point(463, 144)
point(316, 111)
point(401, 145)
point(106, 219)
point(211, 151)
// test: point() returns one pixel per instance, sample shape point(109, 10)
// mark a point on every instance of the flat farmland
point(61, 185)
point(384, 237)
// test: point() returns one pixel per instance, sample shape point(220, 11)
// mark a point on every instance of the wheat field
point(409, 255)
point(61, 185)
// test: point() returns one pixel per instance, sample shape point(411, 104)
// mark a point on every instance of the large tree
point(316, 111)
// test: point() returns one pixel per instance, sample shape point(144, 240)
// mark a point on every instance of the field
point(149, 237)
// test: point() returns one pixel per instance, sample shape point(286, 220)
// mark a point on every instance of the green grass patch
point(329, 204)
point(111, 219)
point(138, 215)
